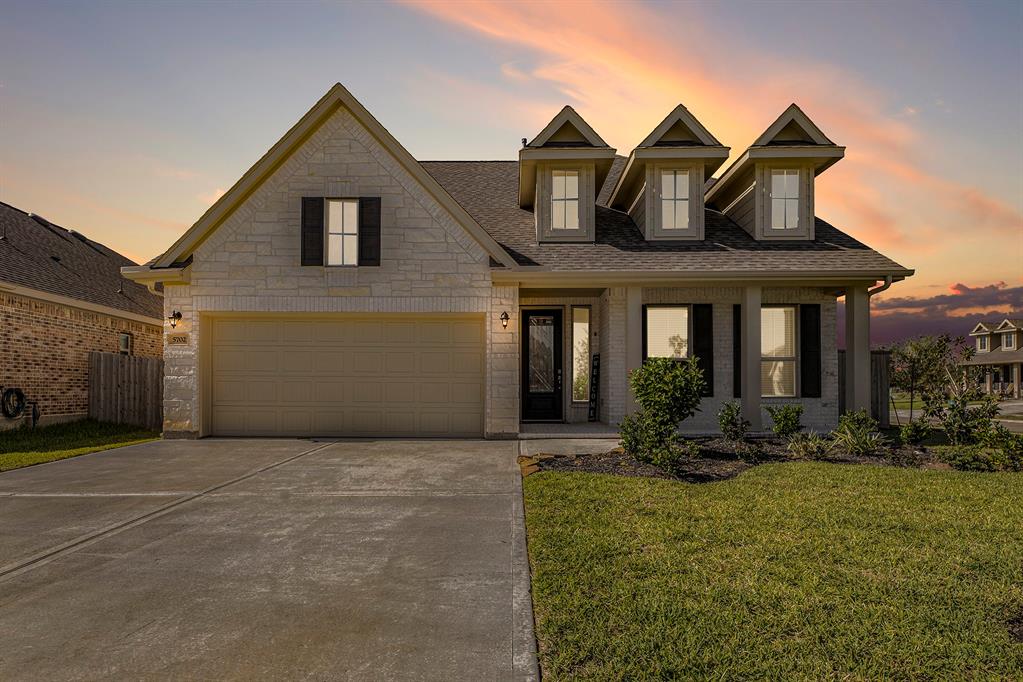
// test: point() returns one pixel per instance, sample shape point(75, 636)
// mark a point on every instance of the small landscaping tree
point(923, 366)
point(668, 392)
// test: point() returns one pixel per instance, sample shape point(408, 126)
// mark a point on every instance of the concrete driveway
point(249, 559)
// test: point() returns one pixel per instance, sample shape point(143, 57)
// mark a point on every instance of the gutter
point(888, 280)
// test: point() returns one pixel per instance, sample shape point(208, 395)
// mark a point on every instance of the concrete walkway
point(267, 559)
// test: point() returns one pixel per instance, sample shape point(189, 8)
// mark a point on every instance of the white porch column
point(989, 378)
point(1015, 379)
point(633, 340)
point(857, 349)
point(750, 366)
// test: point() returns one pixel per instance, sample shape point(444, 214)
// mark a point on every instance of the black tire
point(12, 403)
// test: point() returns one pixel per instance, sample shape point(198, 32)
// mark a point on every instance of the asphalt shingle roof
point(488, 191)
point(54, 260)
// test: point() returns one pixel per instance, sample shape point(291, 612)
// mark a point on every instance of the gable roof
point(39, 256)
point(489, 191)
point(337, 97)
point(791, 120)
point(1010, 324)
point(567, 117)
point(983, 328)
point(679, 120)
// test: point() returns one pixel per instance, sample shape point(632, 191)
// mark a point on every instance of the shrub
point(673, 455)
point(730, 421)
point(810, 445)
point(668, 392)
point(964, 424)
point(914, 432)
point(857, 434)
point(1009, 446)
point(972, 458)
point(786, 420)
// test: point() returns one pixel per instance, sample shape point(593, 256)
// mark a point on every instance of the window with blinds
point(667, 331)
point(778, 351)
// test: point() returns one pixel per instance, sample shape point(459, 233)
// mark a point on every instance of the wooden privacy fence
point(126, 389)
point(880, 407)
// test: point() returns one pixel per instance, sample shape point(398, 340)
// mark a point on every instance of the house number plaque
point(177, 339)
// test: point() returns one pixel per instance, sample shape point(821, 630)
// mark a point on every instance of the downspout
point(878, 289)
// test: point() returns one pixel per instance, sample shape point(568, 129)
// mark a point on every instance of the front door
point(541, 365)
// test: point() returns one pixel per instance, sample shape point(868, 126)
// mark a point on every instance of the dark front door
point(541, 365)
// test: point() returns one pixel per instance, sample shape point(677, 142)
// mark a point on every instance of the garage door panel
point(351, 375)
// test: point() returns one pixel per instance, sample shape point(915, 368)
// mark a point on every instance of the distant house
point(61, 296)
point(999, 355)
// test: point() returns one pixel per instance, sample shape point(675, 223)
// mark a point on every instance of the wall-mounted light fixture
point(174, 317)
point(504, 319)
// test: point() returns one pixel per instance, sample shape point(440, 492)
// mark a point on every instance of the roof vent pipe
point(523, 142)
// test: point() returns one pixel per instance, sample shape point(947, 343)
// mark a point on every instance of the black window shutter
point(312, 230)
point(369, 231)
point(810, 350)
point(703, 342)
point(737, 351)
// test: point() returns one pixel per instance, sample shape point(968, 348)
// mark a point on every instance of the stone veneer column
point(503, 369)
point(857, 349)
point(633, 340)
point(750, 350)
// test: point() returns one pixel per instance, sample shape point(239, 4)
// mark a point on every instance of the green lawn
point(24, 447)
point(795, 571)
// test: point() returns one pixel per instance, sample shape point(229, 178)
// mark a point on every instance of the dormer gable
point(661, 186)
point(560, 173)
point(769, 189)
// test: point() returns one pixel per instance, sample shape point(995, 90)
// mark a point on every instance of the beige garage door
point(347, 376)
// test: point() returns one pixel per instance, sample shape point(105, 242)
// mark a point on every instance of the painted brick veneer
point(429, 263)
point(44, 350)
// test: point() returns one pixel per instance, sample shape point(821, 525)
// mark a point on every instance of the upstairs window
point(982, 343)
point(667, 331)
point(1009, 340)
point(778, 351)
point(675, 200)
point(342, 228)
point(785, 199)
point(565, 200)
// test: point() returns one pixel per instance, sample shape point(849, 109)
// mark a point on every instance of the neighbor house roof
point(998, 356)
point(38, 255)
point(488, 190)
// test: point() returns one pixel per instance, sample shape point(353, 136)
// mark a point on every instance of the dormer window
point(1009, 340)
point(675, 200)
point(785, 199)
point(565, 200)
point(982, 343)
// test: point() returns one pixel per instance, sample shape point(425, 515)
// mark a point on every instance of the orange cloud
point(622, 74)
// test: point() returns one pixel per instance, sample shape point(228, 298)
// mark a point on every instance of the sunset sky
point(126, 121)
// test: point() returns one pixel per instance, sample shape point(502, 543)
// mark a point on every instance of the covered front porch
point(575, 345)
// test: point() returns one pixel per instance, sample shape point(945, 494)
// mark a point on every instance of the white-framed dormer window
point(675, 199)
point(565, 200)
point(982, 343)
point(1009, 340)
point(342, 228)
point(784, 199)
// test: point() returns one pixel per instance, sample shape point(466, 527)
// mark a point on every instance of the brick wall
point(44, 350)
point(251, 263)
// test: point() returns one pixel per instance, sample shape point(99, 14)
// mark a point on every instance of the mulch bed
point(718, 461)
point(1015, 626)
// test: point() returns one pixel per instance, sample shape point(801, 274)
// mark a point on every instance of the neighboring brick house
point(343, 288)
point(61, 296)
point(999, 356)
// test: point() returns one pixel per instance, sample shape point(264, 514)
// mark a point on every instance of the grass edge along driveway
point(24, 447)
point(790, 571)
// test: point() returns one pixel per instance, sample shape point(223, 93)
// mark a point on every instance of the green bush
point(810, 445)
point(972, 458)
point(668, 392)
point(964, 424)
point(786, 420)
point(673, 455)
point(730, 421)
point(914, 432)
point(857, 434)
point(1008, 445)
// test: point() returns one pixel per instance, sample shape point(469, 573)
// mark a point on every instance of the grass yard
point(25, 447)
point(795, 571)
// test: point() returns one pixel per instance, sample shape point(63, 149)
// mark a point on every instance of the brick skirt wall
point(44, 351)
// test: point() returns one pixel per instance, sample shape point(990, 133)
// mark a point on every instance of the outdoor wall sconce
point(504, 319)
point(174, 317)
